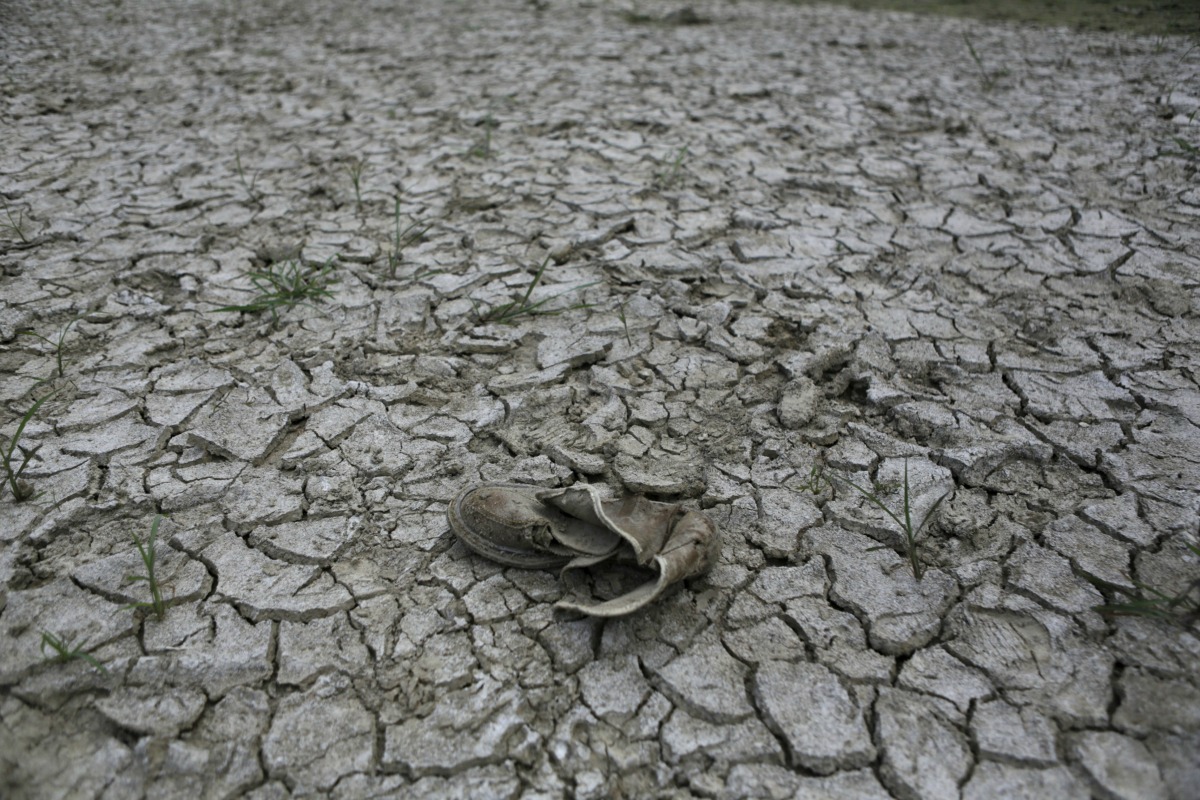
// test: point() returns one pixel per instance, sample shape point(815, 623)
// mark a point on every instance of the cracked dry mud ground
point(873, 251)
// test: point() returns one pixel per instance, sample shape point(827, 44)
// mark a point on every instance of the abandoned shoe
point(522, 526)
point(674, 542)
point(509, 524)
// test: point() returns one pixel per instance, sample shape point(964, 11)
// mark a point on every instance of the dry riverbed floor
point(795, 249)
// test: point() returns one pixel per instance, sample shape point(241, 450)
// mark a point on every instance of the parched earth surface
point(794, 248)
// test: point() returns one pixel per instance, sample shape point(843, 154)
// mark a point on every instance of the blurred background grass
point(1154, 17)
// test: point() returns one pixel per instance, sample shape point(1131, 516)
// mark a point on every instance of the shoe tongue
point(579, 503)
point(585, 538)
point(643, 524)
point(694, 548)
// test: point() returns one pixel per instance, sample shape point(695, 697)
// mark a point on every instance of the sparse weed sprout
point(247, 183)
point(288, 284)
point(816, 480)
point(57, 344)
point(63, 651)
point(1182, 608)
point(624, 321)
point(402, 238)
point(1186, 148)
point(508, 312)
point(15, 224)
point(988, 77)
point(148, 551)
point(356, 171)
point(483, 149)
point(671, 173)
point(8, 455)
point(905, 524)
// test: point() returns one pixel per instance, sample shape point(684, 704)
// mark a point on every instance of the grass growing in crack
point(635, 16)
point(670, 174)
point(508, 312)
point(910, 532)
point(247, 184)
point(56, 344)
point(63, 652)
point(404, 237)
point(1186, 149)
point(1181, 608)
point(483, 149)
point(286, 285)
point(816, 480)
point(12, 475)
point(148, 551)
point(682, 16)
point(624, 322)
point(989, 78)
point(17, 225)
point(356, 170)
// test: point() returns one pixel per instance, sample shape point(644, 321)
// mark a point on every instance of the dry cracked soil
point(791, 250)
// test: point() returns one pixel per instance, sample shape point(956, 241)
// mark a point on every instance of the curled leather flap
point(693, 545)
point(619, 606)
point(586, 539)
point(644, 524)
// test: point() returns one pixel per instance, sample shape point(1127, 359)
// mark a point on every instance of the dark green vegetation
point(817, 477)
point(1153, 17)
point(57, 344)
point(508, 312)
point(148, 551)
point(62, 651)
point(1182, 608)
point(10, 468)
point(286, 285)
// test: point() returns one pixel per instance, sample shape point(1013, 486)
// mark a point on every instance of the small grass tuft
point(63, 652)
point(356, 171)
point(910, 532)
point(249, 184)
point(284, 285)
point(624, 322)
point(672, 172)
point(682, 16)
point(483, 148)
point(148, 551)
point(15, 224)
point(403, 237)
point(1186, 148)
point(508, 312)
point(816, 481)
point(57, 344)
point(988, 76)
point(1181, 608)
point(12, 475)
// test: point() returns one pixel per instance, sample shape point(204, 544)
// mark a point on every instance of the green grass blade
point(13, 475)
point(873, 499)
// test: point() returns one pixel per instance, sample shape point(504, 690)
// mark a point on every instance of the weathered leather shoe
point(509, 524)
point(523, 526)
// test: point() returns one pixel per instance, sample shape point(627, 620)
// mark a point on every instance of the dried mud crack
point(292, 275)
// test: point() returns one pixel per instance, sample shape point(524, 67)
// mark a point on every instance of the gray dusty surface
point(873, 252)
